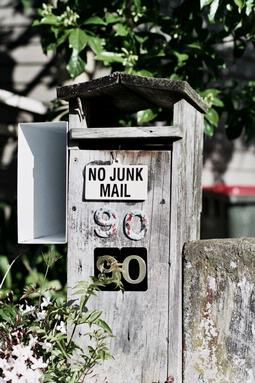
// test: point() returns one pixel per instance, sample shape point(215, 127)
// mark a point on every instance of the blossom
point(23, 366)
point(21, 351)
point(41, 315)
point(24, 309)
point(38, 363)
point(61, 327)
point(46, 302)
point(47, 346)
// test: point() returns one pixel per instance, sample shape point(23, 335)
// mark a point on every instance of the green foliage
point(210, 96)
point(140, 38)
point(34, 343)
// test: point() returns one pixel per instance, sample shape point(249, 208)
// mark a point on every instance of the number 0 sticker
point(129, 222)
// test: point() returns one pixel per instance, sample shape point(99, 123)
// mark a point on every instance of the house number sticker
point(130, 262)
point(135, 224)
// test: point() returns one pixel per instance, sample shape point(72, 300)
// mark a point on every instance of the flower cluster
point(23, 364)
point(34, 345)
point(22, 350)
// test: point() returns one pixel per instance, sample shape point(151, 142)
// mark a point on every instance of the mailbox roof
point(132, 93)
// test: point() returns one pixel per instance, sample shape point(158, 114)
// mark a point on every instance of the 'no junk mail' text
point(115, 182)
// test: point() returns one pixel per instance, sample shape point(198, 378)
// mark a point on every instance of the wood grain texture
point(186, 200)
point(219, 313)
point(139, 319)
point(132, 93)
point(145, 133)
point(147, 325)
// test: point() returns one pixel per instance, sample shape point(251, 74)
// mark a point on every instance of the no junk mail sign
point(116, 182)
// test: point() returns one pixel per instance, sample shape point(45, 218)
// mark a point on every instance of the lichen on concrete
point(219, 311)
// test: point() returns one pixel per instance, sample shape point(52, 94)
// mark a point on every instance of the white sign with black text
point(116, 182)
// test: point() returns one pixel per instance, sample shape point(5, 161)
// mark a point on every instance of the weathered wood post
point(135, 195)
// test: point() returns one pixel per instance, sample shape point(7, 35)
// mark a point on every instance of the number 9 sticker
point(107, 221)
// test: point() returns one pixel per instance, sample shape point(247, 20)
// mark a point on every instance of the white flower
point(38, 363)
point(21, 351)
point(14, 373)
point(10, 375)
point(33, 340)
point(61, 327)
point(26, 309)
point(46, 302)
point(3, 364)
point(33, 376)
point(41, 315)
point(27, 375)
point(47, 346)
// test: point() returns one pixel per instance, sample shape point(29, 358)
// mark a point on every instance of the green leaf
point(26, 3)
point(194, 46)
point(208, 128)
point(52, 256)
point(240, 4)
point(210, 91)
point(93, 316)
point(96, 44)
point(53, 285)
point(8, 314)
point(62, 38)
point(210, 97)
point(213, 9)
point(48, 20)
point(204, 3)
point(95, 20)
point(181, 57)
point(121, 30)
point(212, 117)
point(137, 4)
point(110, 57)
point(4, 266)
point(249, 7)
point(101, 323)
point(141, 39)
point(217, 102)
point(144, 116)
point(112, 19)
point(142, 72)
point(75, 65)
point(78, 39)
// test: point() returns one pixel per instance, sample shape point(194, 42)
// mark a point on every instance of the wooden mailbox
point(135, 194)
